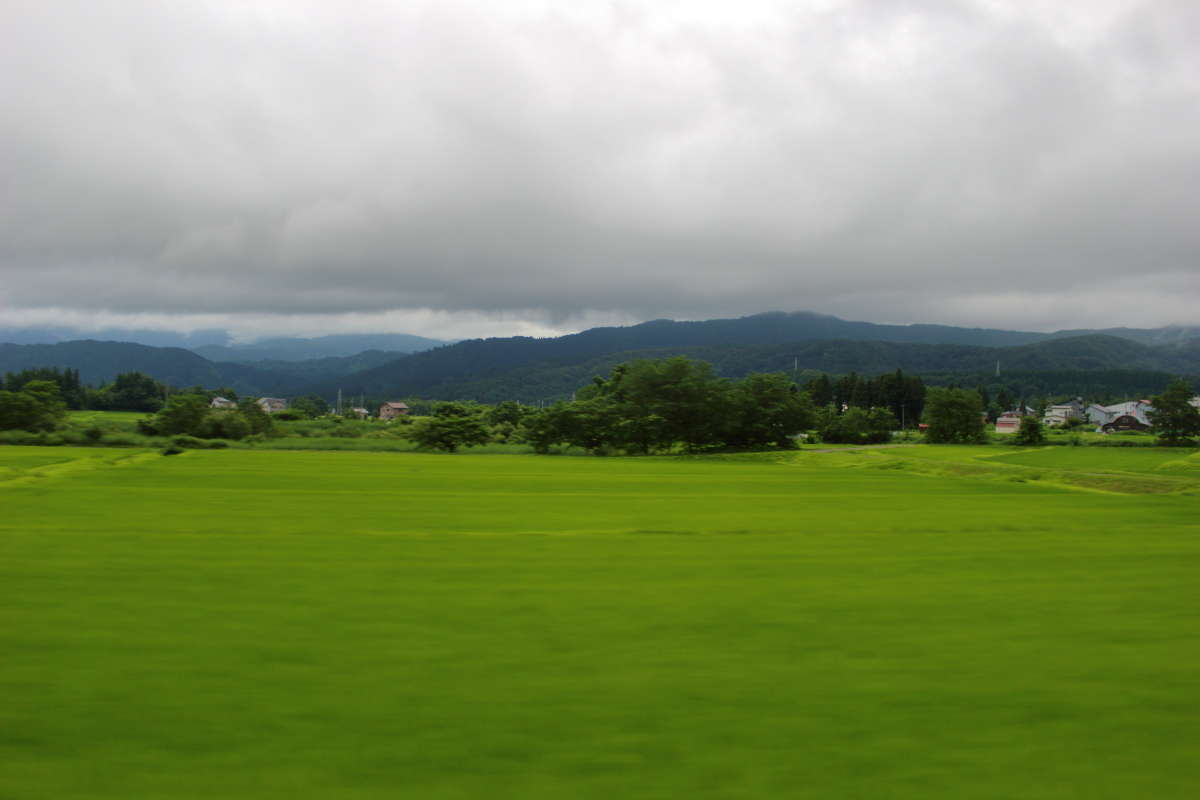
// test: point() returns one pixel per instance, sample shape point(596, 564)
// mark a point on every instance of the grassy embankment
point(911, 622)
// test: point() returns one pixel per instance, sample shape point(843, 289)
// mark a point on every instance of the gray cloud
point(547, 165)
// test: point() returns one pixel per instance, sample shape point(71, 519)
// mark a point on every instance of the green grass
point(262, 624)
point(1147, 460)
point(123, 421)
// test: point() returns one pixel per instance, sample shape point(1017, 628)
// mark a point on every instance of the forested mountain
point(1178, 335)
point(321, 347)
point(217, 345)
point(100, 362)
point(500, 369)
point(760, 329)
point(303, 373)
point(522, 368)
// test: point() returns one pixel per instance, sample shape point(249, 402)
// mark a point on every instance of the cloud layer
point(550, 163)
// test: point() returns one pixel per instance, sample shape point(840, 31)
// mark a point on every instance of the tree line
point(643, 406)
point(130, 391)
point(659, 405)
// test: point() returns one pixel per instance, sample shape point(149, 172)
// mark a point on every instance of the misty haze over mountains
point(216, 344)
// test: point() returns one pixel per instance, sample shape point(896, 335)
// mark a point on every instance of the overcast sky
point(457, 169)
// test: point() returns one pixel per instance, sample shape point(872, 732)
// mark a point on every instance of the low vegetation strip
point(62, 462)
point(1119, 471)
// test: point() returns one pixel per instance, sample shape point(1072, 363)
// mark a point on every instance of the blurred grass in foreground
point(270, 624)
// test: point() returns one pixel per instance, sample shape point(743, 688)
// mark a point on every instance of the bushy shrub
point(449, 432)
point(954, 415)
point(504, 433)
point(1030, 432)
point(223, 425)
point(856, 426)
point(38, 406)
point(183, 414)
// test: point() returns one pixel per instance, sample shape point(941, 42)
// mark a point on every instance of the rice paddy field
point(902, 622)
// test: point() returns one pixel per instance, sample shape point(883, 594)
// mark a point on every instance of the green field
point(907, 622)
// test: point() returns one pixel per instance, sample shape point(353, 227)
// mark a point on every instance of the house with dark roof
point(393, 409)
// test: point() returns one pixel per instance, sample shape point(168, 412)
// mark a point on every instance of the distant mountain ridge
point(766, 328)
point(216, 344)
point(474, 357)
point(99, 362)
point(53, 334)
point(527, 369)
point(486, 372)
point(333, 346)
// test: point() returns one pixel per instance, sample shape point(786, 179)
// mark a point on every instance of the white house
point(222, 402)
point(1059, 414)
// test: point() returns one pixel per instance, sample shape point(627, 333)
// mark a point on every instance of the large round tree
point(1175, 419)
point(954, 415)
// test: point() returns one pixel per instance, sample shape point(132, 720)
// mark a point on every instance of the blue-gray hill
point(528, 369)
point(334, 346)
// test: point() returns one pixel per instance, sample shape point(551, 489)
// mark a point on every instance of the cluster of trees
point(129, 391)
point(1030, 432)
point(191, 415)
point(70, 391)
point(451, 426)
point(903, 396)
point(654, 405)
point(644, 407)
point(649, 406)
point(954, 416)
point(1175, 419)
point(855, 425)
point(35, 405)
